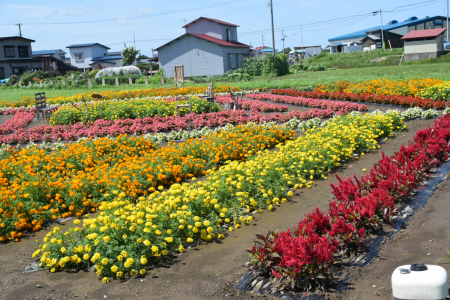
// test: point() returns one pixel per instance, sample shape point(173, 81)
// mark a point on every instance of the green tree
point(142, 56)
point(287, 50)
point(129, 56)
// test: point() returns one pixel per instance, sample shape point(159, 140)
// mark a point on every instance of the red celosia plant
point(304, 258)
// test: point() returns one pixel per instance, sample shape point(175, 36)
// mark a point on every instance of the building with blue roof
point(57, 53)
point(93, 56)
point(393, 31)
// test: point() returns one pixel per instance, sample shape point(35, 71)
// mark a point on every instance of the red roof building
point(423, 34)
point(423, 44)
point(211, 20)
point(208, 47)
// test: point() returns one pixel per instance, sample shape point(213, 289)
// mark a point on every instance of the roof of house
point(260, 48)
point(372, 37)
point(209, 39)
point(104, 58)
point(15, 37)
point(86, 45)
point(421, 34)
point(212, 20)
point(390, 26)
point(47, 52)
point(103, 61)
point(23, 59)
point(306, 47)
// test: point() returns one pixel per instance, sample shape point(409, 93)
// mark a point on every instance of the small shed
point(424, 44)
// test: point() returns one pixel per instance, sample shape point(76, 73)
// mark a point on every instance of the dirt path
point(209, 271)
point(424, 240)
point(4, 118)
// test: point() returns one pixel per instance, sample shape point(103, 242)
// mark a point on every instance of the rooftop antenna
point(20, 31)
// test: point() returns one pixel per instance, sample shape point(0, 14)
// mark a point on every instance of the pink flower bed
point(253, 105)
point(309, 102)
point(102, 128)
point(19, 120)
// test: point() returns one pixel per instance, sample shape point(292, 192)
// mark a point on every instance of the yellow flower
point(114, 269)
point(142, 271)
point(105, 280)
point(147, 243)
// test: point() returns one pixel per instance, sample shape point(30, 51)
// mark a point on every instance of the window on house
point(9, 51)
point(230, 35)
point(62, 57)
point(2, 73)
point(78, 56)
point(232, 61)
point(23, 51)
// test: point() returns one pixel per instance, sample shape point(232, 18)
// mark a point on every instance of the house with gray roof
point(369, 39)
point(208, 47)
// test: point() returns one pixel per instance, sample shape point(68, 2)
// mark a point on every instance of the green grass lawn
point(300, 79)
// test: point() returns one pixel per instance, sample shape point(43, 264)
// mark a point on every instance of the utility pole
point(262, 49)
point(447, 21)
point(20, 30)
point(282, 38)
point(134, 40)
point(382, 35)
point(273, 34)
point(301, 36)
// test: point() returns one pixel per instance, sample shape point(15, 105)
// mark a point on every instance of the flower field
point(405, 101)
point(304, 257)
point(39, 186)
point(128, 231)
point(137, 108)
point(151, 125)
point(254, 106)
point(381, 86)
point(28, 101)
point(309, 102)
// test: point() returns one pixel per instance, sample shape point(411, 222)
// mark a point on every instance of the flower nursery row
point(304, 257)
point(254, 106)
point(28, 101)
point(148, 125)
point(369, 98)
point(309, 102)
point(19, 120)
point(122, 238)
point(137, 108)
point(39, 185)
point(382, 86)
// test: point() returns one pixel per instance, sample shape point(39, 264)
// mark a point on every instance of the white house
point(16, 56)
point(83, 56)
point(308, 51)
point(208, 47)
point(59, 54)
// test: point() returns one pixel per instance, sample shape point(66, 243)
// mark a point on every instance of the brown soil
point(4, 118)
point(424, 240)
point(211, 270)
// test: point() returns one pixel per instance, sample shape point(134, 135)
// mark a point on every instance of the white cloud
point(145, 10)
point(123, 20)
point(49, 11)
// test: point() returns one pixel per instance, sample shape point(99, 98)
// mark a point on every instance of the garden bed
point(209, 270)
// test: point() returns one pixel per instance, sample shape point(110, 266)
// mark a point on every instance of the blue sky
point(53, 23)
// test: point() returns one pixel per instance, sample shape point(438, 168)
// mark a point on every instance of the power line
point(430, 2)
point(256, 20)
point(136, 17)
